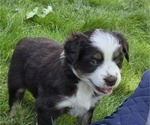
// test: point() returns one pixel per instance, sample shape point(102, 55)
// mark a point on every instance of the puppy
point(69, 78)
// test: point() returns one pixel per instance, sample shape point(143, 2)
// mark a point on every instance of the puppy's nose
point(110, 80)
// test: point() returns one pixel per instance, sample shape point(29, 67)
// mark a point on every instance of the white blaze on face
point(107, 44)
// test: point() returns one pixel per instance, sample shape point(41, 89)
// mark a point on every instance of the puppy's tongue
point(105, 90)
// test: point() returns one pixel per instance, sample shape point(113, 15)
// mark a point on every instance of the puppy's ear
point(74, 45)
point(124, 43)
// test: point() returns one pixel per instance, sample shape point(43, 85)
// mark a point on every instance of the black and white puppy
point(68, 78)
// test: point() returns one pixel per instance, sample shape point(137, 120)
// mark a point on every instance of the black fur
point(37, 67)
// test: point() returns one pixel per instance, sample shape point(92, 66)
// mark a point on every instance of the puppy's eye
point(94, 62)
point(118, 57)
point(117, 60)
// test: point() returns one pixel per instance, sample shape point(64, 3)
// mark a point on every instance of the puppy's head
point(96, 58)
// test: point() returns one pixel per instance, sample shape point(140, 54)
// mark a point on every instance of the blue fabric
point(135, 109)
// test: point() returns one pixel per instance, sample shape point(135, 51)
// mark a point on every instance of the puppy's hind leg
point(16, 87)
point(15, 94)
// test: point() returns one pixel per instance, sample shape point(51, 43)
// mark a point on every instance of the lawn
point(130, 17)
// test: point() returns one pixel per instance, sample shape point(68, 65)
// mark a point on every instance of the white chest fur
point(80, 102)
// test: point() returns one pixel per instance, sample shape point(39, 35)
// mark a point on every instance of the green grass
point(131, 17)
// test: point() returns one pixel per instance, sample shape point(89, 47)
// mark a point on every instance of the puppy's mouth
point(103, 90)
